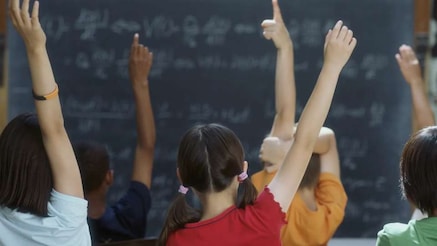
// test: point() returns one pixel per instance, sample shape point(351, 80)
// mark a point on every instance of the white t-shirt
point(66, 224)
point(418, 215)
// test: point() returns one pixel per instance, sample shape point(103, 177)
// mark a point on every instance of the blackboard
point(212, 65)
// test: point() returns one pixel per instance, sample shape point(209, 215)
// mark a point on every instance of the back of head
point(418, 168)
point(209, 158)
point(312, 173)
point(93, 161)
point(25, 173)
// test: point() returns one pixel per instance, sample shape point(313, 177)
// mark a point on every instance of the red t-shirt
point(257, 224)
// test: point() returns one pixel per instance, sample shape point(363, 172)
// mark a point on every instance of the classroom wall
point(3, 77)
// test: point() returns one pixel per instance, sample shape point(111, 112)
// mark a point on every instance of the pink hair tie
point(242, 177)
point(183, 189)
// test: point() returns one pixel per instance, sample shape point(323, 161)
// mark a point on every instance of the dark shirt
point(125, 220)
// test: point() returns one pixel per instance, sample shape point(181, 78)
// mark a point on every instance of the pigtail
point(249, 193)
point(179, 214)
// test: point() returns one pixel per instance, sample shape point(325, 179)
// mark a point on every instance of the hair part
point(209, 158)
point(312, 173)
point(25, 173)
point(93, 161)
point(418, 169)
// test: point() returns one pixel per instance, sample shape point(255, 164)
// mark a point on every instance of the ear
point(109, 178)
point(245, 166)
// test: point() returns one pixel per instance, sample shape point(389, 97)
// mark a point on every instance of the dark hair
point(25, 174)
point(209, 158)
point(312, 173)
point(418, 168)
point(93, 161)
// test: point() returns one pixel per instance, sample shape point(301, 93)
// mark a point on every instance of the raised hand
point(339, 45)
point(140, 62)
point(409, 64)
point(27, 26)
point(274, 29)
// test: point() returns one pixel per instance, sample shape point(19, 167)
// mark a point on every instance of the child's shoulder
point(397, 233)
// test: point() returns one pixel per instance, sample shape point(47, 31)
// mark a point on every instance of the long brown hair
point(25, 173)
point(209, 158)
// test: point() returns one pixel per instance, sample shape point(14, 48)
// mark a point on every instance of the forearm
point(422, 111)
point(43, 82)
point(311, 121)
point(285, 94)
point(316, 110)
point(146, 133)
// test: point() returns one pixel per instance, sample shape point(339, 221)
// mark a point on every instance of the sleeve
point(330, 191)
point(332, 199)
point(70, 211)
point(382, 239)
point(265, 213)
point(132, 209)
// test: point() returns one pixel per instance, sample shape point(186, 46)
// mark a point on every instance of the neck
point(309, 198)
point(211, 206)
point(96, 204)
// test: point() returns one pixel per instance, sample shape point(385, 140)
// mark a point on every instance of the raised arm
point(140, 62)
point(65, 171)
point(285, 89)
point(423, 115)
point(339, 45)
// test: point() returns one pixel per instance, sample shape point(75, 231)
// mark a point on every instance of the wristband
point(51, 95)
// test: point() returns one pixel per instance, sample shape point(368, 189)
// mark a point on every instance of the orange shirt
point(305, 226)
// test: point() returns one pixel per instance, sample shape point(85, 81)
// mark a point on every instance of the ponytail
point(249, 193)
point(179, 214)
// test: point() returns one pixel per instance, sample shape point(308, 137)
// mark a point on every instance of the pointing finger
point(276, 11)
point(136, 39)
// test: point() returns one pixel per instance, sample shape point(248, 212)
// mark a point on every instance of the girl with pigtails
point(211, 164)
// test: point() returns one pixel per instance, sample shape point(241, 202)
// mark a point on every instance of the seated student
point(319, 205)
point(127, 219)
point(422, 113)
point(418, 158)
point(41, 196)
point(418, 168)
point(211, 163)
point(318, 208)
